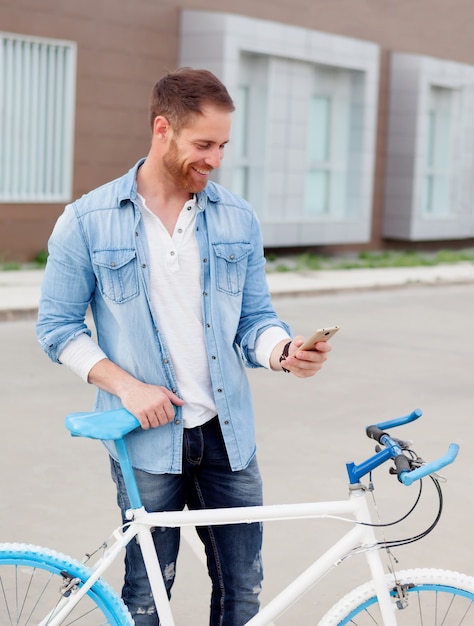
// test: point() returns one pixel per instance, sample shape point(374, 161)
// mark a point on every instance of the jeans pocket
point(231, 266)
point(117, 274)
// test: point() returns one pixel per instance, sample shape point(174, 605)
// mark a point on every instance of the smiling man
point(172, 266)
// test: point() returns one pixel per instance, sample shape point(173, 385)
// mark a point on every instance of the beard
point(181, 175)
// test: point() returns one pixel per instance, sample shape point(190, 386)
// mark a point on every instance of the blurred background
point(354, 127)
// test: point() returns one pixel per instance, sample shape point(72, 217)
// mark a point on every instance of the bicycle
point(41, 587)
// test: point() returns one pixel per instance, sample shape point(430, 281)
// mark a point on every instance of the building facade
point(354, 125)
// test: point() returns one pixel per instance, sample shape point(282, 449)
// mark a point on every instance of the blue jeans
point(233, 551)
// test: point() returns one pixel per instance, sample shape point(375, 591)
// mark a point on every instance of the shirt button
point(213, 357)
point(219, 391)
point(165, 361)
point(172, 252)
point(180, 230)
point(177, 421)
point(112, 265)
point(232, 257)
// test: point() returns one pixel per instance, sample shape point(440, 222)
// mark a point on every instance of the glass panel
point(317, 192)
point(427, 202)
point(240, 121)
point(240, 181)
point(240, 143)
point(430, 139)
point(442, 136)
point(440, 195)
point(338, 195)
point(318, 177)
point(319, 129)
point(436, 185)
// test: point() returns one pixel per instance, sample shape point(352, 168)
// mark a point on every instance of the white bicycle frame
point(360, 536)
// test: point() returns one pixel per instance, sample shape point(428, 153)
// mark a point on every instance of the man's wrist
point(284, 355)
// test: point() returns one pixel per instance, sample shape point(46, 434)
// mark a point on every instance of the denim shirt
point(98, 256)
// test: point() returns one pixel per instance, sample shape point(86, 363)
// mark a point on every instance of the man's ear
point(161, 127)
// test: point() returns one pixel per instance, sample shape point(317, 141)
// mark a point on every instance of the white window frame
point(417, 86)
point(249, 129)
point(333, 86)
point(278, 161)
point(319, 176)
point(440, 121)
point(37, 110)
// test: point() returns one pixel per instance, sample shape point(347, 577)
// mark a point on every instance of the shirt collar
point(128, 189)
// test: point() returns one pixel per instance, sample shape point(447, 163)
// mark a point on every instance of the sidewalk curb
point(336, 281)
point(364, 288)
point(12, 315)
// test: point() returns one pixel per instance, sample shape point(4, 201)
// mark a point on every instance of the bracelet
point(283, 356)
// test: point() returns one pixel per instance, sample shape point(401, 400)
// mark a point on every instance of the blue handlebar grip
point(408, 478)
point(399, 421)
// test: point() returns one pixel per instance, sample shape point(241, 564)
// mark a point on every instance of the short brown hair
point(181, 94)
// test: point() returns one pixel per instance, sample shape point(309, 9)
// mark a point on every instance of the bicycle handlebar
point(393, 449)
point(398, 421)
point(408, 478)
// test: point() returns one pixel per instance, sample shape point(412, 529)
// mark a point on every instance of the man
point(172, 266)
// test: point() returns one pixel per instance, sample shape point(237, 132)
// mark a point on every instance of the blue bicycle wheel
point(422, 597)
point(34, 580)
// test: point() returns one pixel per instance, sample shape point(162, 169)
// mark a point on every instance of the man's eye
point(203, 146)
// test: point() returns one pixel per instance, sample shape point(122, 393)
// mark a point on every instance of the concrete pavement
point(20, 290)
point(398, 349)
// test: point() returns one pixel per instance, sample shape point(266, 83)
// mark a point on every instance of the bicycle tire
point(434, 596)
point(31, 578)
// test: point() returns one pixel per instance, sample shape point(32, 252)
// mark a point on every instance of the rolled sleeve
point(266, 343)
point(81, 354)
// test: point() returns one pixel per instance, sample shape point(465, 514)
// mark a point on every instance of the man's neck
point(161, 197)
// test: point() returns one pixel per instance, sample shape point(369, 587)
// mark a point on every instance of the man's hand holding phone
point(304, 358)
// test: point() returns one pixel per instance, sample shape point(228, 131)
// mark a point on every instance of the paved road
point(397, 350)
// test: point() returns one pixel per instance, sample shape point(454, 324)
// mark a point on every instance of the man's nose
point(214, 157)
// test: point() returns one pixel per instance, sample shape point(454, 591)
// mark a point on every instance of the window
point(430, 149)
point(318, 181)
point(438, 152)
point(303, 136)
point(241, 144)
point(37, 92)
point(332, 188)
point(248, 132)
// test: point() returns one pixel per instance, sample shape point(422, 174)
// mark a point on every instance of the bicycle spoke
point(35, 584)
point(5, 601)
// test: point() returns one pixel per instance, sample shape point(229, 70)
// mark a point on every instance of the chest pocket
point(117, 273)
point(231, 266)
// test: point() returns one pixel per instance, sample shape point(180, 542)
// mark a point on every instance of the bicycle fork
point(73, 592)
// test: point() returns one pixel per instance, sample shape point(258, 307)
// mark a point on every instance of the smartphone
point(323, 334)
